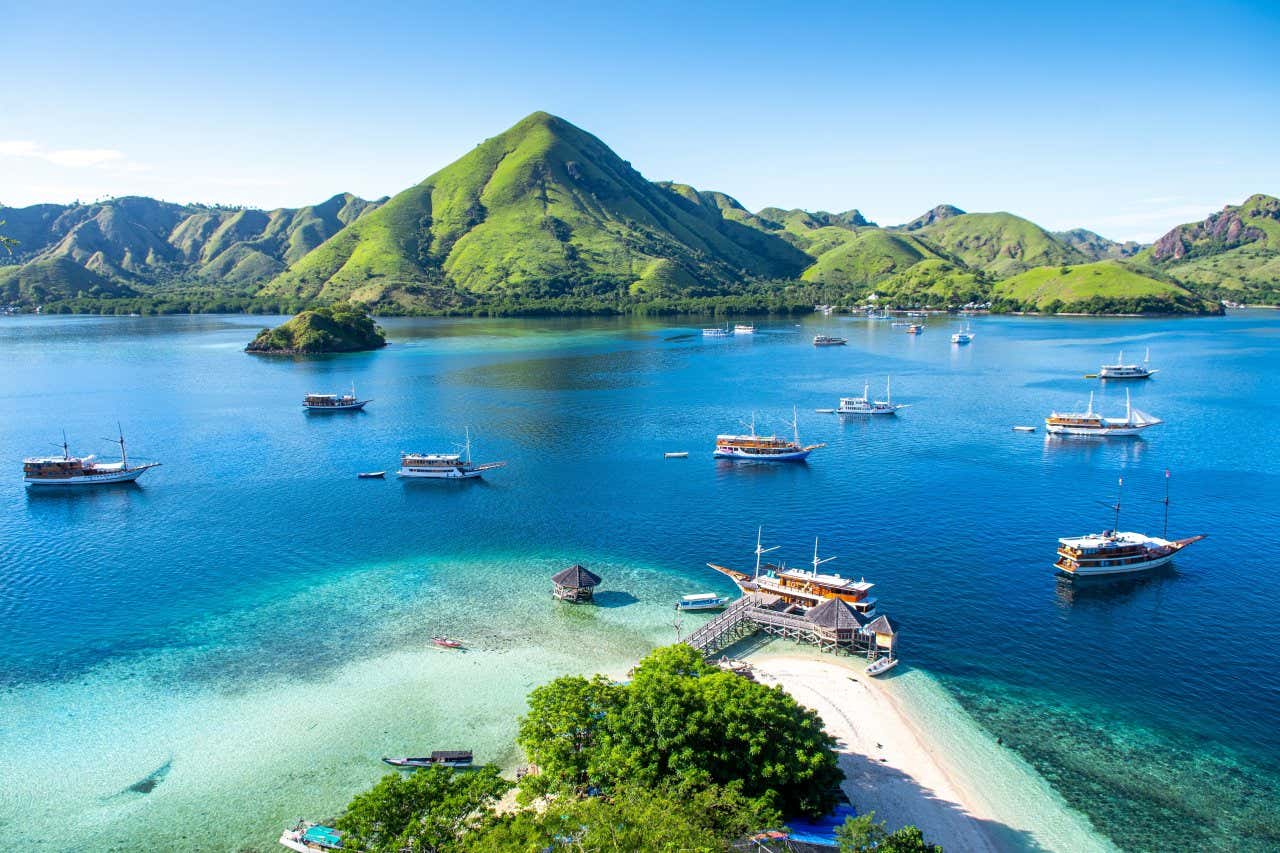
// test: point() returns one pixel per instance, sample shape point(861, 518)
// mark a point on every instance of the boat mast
point(1119, 490)
point(888, 391)
point(66, 451)
point(124, 457)
point(795, 425)
point(760, 550)
point(1166, 503)
point(1128, 408)
point(1089, 413)
point(468, 445)
point(816, 561)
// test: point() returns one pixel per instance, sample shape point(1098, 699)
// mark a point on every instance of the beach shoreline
point(913, 761)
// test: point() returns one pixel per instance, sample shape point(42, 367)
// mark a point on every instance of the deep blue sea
point(249, 620)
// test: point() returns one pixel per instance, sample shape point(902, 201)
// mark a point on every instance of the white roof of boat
point(1104, 540)
point(747, 438)
point(700, 596)
point(828, 580)
point(435, 457)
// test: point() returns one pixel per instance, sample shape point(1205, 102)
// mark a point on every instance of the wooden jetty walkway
point(832, 626)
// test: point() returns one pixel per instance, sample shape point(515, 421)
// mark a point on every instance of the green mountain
point(132, 245)
point(933, 282)
point(867, 258)
point(1101, 287)
point(1095, 246)
point(1000, 244)
point(1233, 254)
point(544, 210)
point(939, 213)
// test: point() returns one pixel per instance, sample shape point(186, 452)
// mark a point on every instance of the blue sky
point(1126, 118)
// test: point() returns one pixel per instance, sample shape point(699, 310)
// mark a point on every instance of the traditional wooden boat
point(765, 448)
point(444, 466)
point(802, 587)
point(68, 470)
point(334, 402)
point(439, 758)
point(1090, 423)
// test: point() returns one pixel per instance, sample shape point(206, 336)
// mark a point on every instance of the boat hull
point(1088, 571)
point(740, 455)
point(447, 474)
point(351, 407)
point(105, 479)
point(1108, 432)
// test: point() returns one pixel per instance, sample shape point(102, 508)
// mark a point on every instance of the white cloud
point(76, 158)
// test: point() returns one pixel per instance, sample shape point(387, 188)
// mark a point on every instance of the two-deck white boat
point(68, 470)
point(334, 402)
point(1090, 423)
point(444, 466)
point(864, 405)
point(1120, 370)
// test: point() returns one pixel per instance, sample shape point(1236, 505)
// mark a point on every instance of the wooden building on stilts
point(575, 584)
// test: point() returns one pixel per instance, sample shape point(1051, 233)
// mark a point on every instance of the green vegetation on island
point(545, 218)
point(339, 328)
point(685, 756)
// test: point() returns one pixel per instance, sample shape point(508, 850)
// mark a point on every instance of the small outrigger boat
point(702, 601)
point(446, 643)
point(371, 475)
point(881, 665)
point(676, 454)
point(439, 758)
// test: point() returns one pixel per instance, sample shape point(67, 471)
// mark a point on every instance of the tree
point(425, 812)
point(632, 818)
point(862, 834)
point(680, 722)
point(7, 243)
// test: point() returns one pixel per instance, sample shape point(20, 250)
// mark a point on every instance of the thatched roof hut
point(835, 616)
point(574, 584)
point(885, 631)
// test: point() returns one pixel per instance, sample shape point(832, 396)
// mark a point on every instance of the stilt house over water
point(575, 584)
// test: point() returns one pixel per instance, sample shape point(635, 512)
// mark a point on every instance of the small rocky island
point(338, 328)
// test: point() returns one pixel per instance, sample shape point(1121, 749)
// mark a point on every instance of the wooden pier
point(840, 632)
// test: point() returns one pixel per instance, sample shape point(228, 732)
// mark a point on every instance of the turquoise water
point(249, 627)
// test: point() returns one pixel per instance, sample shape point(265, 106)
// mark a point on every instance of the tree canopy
point(680, 719)
point(427, 811)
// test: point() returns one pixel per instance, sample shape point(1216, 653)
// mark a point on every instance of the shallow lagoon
point(256, 620)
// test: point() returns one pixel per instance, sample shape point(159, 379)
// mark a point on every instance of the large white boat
point(1091, 423)
point(864, 405)
point(68, 470)
point(1120, 370)
point(334, 402)
point(744, 329)
point(1113, 552)
point(764, 448)
point(444, 466)
point(802, 587)
point(964, 336)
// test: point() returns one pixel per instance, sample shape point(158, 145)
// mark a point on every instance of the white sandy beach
point(965, 793)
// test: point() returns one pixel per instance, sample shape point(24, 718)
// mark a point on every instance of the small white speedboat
point(881, 665)
point(702, 601)
point(1024, 429)
point(825, 411)
point(676, 454)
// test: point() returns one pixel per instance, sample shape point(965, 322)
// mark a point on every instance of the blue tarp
point(822, 830)
point(322, 835)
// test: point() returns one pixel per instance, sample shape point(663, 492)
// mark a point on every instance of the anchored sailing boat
point(802, 587)
point(444, 466)
point(68, 470)
point(334, 402)
point(1112, 552)
point(1091, 423)
point(764, 448)
point(1120, 370)
point(864, 405)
